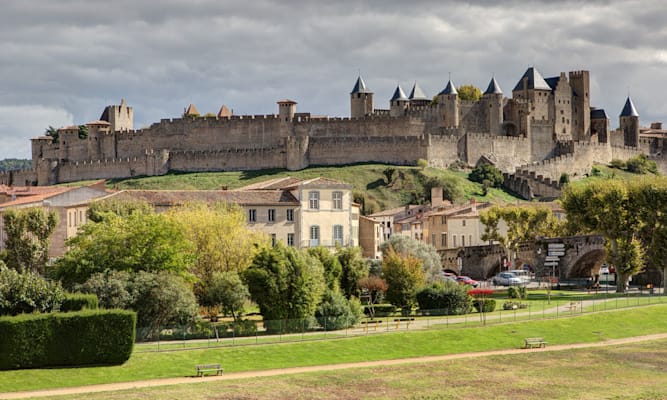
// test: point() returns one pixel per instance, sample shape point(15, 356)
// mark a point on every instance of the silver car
point(506, 279)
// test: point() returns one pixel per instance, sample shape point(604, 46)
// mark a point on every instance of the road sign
point(556, 246)
point(556, 253)
point(551, 264)
point(551, 258)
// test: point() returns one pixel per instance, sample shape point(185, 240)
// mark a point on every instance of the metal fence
point(204, 334)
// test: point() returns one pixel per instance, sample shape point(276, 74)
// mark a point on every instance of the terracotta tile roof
point(30, 194)
point(168, 198)
point(290, 183)
point(273, 184)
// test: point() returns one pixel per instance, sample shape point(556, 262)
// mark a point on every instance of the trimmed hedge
point(486, 305)
point(66, 339)
point(78, 302)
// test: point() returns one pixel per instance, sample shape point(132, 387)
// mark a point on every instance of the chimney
point(656, 125)
point(436, 197)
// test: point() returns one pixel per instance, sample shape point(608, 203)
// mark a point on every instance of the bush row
point(78, 302)
point(66, 339)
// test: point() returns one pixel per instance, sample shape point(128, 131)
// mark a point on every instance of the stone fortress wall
point(532, 137)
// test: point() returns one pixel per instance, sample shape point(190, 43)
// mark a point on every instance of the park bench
point(534, 342)
point(406, 320)
point(374, 322)
point(572, 306)
point(203, 368)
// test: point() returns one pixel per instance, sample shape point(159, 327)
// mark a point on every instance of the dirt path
point(319, 368)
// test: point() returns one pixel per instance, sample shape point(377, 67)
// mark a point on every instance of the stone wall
point(505, 151)
point(402, 150)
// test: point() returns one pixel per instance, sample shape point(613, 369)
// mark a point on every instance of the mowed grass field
point(141, 366)
point(634, 371)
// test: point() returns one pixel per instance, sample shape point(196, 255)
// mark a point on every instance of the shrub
point(336, 312)
point(244, 327)
point(66, 339)
point(516, 292)
point(513, 305)
point(640, 164)
point(421, 163)
point(596, 171)
point(618, 164)
point(78, 302)
point(447, 298)
point(484, 305)
point(487, 173)
point(28, 292)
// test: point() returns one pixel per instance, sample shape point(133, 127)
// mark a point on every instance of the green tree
point(404, 276)
point(451, 190)
point(27, 292)
point(113, 288)
point(228, 292)
point(444, 298)
point(98, 211)
point(564, 179)
point(524, 224)
point(653, 230)
point(469, 92)
point(488, 175)
point(609, 208)
point(427, 254)
point(285, 284)
point(28, 232)
point(640, 164)
point(53, 133)
point(222, 241)
point(83, 132)
point(138, 242)
point(161, 299)
point(353, 267)
point(336, 312)
point(332, 268)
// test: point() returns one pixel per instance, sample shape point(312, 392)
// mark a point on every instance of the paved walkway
point(320, 368)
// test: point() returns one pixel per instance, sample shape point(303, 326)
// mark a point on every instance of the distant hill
point(376, 186)
point(9, 164)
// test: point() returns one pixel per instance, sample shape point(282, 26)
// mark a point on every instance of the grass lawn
point(149, 365)
point(635, 371)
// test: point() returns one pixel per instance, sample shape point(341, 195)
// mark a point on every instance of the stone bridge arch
point(583, 255)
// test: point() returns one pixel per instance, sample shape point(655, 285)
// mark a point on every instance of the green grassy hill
point(370, 181)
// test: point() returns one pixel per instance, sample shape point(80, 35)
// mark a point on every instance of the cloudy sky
point(63, 61)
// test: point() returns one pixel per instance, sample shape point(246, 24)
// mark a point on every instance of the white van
point(521, 274)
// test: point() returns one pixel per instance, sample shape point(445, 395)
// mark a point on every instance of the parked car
point(466, 280)
point(521, 274)
point(604, 270)
point(506, 279)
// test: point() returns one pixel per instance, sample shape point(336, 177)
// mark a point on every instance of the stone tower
point(361, 100)
point(120, 118)
point(493, 97)
point(398, 103)
point(581, 105)
point(629, 124)
point(533, 88)
point(286, 110)
point(448, 99)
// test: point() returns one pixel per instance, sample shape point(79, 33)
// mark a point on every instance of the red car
point(466, 280)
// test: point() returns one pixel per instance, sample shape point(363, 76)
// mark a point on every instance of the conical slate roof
point(493, 88)
point(399, 94)
point(360, 87)
point(449, 89)
point(535, 80)
point(629, 109)
point(417, 93)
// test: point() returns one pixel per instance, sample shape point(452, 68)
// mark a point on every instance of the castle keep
point(545, 128)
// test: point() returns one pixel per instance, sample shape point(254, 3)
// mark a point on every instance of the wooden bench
point(534, 342)
point(406, 320)
point(374, 322)
point(203, 368)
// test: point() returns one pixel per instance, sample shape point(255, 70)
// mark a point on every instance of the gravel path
point(298, 370)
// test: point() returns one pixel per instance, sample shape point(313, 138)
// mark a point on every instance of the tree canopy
point(404, 276)
point(427, 254)
point(142, 241)
point(28, 232)
point(469, 92)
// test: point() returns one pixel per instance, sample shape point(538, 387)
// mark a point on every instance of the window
point(337, 198)
point(290, 239)
point(272, 215)
point(433, 239)
point(463, 222)
point(454, 240)
point(443, 220)
point(290, 215)
point(463, 241)
point(443, 240)
point(252, 215)
point(314, 200)
point(314, 235)
point(338, 234)
point(469, 240)
point(273, 239)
